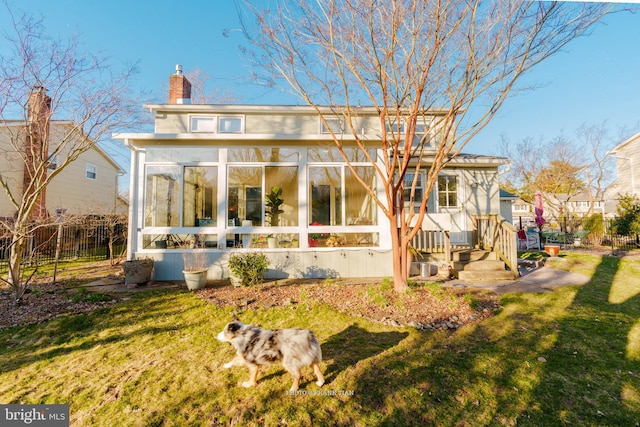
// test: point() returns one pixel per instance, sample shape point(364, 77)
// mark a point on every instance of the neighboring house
point(627, 155)
point(202, 178)
point(577, 205)
point(88, 185)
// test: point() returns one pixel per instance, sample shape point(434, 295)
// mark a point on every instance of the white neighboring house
point(627, 155)
point(88, 185)
point(201, 180)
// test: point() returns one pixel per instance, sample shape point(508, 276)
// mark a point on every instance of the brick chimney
point(179, 88)
point(37, 147)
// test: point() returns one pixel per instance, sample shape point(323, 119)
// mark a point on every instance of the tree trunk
point(400, 273)
point(16, 252)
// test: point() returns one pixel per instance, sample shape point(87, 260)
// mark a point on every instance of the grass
point(569, 357)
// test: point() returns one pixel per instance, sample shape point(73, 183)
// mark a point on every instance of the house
point(87, 185)
point(206, 178)
point(627, 155)
point(507, 202)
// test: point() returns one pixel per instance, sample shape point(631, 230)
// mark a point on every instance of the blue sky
point(594, 79)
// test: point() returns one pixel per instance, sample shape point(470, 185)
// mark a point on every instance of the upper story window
point(91, 171)
point(213, 124)
point(335, 124)
point(423, 129)
point(203, 124)
point(230, 125)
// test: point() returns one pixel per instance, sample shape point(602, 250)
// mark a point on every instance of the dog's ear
point(234, 326)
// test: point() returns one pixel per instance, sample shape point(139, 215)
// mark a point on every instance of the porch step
point(476, 265)
point(474, 276)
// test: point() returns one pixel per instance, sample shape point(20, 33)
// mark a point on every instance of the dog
point(294, 348)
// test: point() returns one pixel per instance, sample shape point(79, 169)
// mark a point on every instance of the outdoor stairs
point(478, 265)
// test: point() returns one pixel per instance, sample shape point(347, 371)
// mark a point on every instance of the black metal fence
point(578, 233)
point(90, 240)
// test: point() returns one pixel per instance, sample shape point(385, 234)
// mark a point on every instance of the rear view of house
point(227, 178)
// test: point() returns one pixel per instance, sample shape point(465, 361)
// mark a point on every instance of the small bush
point(249, 267)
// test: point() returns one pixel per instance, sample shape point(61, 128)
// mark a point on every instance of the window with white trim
point(203, 124)
point(336, 125)
point(230, 125)
point(91, 171)
point(448, 191)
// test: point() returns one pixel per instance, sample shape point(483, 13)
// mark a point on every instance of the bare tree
point(201, 94)
point(41, 80)
point(407, 59)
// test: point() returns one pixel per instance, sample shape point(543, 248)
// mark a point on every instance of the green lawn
point(571, 357)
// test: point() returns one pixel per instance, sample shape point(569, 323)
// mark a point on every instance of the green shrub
point(594, 225)
point(249, 267)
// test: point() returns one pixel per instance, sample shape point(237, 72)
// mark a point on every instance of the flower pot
point(313, 243)
point(295, 244)
point(195, 279)
point(272, 242)
point(137, 271)
point(552, 250)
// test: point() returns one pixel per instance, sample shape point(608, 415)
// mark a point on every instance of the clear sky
point(596, 78)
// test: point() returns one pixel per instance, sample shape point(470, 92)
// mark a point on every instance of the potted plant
point(273, 203)
point(137, 271)
point(272, 242)
point(314, 237)
point(195, 269)
point(246, 269)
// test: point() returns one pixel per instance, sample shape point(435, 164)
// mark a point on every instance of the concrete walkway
point(534, 277)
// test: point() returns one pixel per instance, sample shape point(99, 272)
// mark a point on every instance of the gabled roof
point(623, 144)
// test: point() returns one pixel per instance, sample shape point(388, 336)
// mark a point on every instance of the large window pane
point(200, 196)
point(325, 195)
point(162, 196)
point(361, 209)
point(245, 195)
point(281, 186)
point(332, 154)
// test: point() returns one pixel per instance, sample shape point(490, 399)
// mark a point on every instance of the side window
point(91, 171)
point(419, 192)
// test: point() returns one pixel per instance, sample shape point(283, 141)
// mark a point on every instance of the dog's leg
point(316, 370)
point(253, 376)
point(294, 370)
point(236, 361)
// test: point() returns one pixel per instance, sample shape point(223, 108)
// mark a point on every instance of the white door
point(448, 200)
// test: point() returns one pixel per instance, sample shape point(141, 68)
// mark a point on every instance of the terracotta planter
point(552, 250)
point(313, 243)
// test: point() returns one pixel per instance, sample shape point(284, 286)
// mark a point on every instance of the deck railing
point(493, 232)
point(433, 242)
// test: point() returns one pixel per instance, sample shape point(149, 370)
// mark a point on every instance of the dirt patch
point(424, 307)
point(44, 301)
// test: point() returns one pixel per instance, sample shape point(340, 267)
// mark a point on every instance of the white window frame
point(221, 119)
point(90, 168)
point(202, 118)
point(336, 120)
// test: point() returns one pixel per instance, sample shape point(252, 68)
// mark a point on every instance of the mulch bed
point(419, 308)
